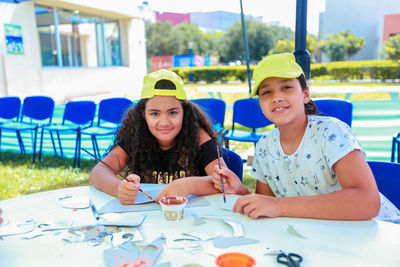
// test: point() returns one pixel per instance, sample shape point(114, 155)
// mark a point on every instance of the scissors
point(290, 259)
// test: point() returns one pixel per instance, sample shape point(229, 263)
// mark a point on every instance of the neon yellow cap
point(152, 85)
point(279, 65)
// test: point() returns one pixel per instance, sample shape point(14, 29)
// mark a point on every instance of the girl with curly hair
point(163, 139)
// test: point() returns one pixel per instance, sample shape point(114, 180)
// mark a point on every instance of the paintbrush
point(219, 165)
point(116, 172)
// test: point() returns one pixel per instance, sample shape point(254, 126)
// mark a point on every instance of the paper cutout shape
point(184, 242)
point(197, 220)
point(116, 206)
point(165, 264)
point(38, 231)
point(142, 198)
point(273, 252)
point(17, 228)
point(128, 254)
point(230, 202)
point(75, 202)
point(293, 231)
point(117, 219)
point(117, 235)
point(227, 242)
point(202, 236)
point(93, 234)
point(237, 227)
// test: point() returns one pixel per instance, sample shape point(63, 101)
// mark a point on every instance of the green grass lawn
point(18, 176)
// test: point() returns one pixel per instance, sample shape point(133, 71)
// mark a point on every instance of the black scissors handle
point(290, 260)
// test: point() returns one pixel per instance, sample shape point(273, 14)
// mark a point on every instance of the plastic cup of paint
point(234, 259)
point(173, 207)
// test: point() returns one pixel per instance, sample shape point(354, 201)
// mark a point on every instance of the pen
point(219, 165)
point(94, 210)
point(114, 170)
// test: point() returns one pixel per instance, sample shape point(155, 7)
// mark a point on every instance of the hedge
point(341, 70)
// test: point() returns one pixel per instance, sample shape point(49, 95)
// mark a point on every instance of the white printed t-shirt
point(309, 170)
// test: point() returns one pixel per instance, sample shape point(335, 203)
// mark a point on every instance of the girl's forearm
point(105, 180)
point(346, 204)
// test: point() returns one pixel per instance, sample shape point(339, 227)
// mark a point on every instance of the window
point(72, 38)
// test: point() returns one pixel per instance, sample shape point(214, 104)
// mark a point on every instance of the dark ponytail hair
point(310, 108)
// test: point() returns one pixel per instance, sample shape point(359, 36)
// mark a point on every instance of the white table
point(328, 243)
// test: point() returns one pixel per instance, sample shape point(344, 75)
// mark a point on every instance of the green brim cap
point(150, 81)
point(279, 65)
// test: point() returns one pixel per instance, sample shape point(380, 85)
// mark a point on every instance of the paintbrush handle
point(219, 165)
point(116, 172)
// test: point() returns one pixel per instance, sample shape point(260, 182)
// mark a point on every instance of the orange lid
point(234, 259)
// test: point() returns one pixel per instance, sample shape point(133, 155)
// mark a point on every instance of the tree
point(340, 46)
point(287, 46)
point(163, 39)
point(160, 40)
point(260, 41)
point(392, 47)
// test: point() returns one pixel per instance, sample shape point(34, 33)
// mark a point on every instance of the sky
point(283, 11)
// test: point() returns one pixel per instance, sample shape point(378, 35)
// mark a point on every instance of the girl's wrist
point(242, 190)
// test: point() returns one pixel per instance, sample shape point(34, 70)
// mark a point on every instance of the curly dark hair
point(310, 107)
point(141, 145)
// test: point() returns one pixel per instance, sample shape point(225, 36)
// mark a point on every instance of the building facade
point(364, 18)
point(71, 49)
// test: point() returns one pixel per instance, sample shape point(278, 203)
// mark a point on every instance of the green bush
point(340, 70)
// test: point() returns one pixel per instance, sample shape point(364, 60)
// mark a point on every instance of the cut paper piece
point(209, 248)
point(197, 220)
point(46, 228)
point(17, 228)
point(75, 202)
point(273, 252)
point(193, 250)
point(128, 254)
point(165, 264)
point(116, 206)
point(227, 242)
point(117, 219)
point(230, 202)
point(202, 236)
point(293, 231)
point(184, 242)
point(93, 234)
point(237, 227)
point(119, 236)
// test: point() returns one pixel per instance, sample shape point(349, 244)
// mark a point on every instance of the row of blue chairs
point(78, 117)
point(37, 114)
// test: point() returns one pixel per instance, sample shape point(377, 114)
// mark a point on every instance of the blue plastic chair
point(110, 115)
point(78, 115)
point(233, 161)
point(10, 106)
point(38, 110)
point(248, 113)
point(215, 111)
point(387, 177)
point(395, 146)
point(338, 108)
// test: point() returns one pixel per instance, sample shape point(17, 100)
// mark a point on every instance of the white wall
point(19, 74)
point(361, 17)
point(23, 75)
